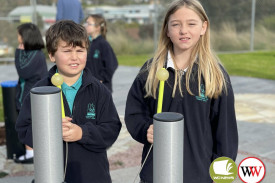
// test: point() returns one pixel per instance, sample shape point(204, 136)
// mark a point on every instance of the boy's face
point(69, 60)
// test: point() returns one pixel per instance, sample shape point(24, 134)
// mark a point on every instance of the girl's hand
point(71, 131)
point(21, 46)
point(150, 133)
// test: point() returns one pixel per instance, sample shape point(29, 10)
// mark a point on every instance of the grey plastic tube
point(47, 134)
point(168, 148)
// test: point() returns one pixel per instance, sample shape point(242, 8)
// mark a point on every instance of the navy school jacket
point(210, 129)
point(102, 61)
point(87, 158)
point(31, 66)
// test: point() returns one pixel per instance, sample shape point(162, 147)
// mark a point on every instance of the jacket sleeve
point(138, 116)
point(33, 64)
point(23, 124)
point(224, 125)
point(101, 135)
point(109, 62)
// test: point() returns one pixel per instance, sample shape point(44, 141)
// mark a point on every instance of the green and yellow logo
point(223, 170)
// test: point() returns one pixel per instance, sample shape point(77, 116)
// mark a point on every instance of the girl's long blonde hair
point(208, 63)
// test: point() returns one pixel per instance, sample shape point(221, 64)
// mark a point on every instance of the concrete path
point(255, 110)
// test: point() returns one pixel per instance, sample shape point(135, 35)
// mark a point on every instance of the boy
point(91, 124)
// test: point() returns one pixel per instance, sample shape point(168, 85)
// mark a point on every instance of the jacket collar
point(86, 77)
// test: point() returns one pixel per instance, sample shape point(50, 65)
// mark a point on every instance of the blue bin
point(9, 84)
point(14, 147)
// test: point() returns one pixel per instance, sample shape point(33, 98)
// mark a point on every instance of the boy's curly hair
point(66, 30)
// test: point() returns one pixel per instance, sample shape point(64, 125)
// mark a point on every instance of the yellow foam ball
point(162, 74)
point(57, 80)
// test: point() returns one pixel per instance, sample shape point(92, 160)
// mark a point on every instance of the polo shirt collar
point(76, 85)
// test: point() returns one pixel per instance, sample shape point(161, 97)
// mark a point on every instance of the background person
point(101, 59)
point(198, 87)
point(69, 10)
point(31, 66)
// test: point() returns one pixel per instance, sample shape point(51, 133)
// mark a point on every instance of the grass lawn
point(256, 64)
point(252, 64)
point(133, 60)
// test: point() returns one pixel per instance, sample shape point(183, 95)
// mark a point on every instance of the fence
point(232, 22)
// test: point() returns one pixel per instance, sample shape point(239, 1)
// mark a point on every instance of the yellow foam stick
point(162, 75)
point(57, 81)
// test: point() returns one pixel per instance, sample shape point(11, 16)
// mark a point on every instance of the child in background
point(91, 124)
point(31, 66)
point(101, 59)
point(198, 87)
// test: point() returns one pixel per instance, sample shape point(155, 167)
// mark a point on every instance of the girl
point(198, 87)
point(31, 66)
point(101, 59)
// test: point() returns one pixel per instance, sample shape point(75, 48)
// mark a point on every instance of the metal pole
point(47, 134)
point(34, 17)
point(155, 25)
point(252, 25)
point(168, 148)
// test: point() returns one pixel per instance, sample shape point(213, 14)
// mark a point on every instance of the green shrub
point(227, 38)
point(123, 44)
point(269, 22)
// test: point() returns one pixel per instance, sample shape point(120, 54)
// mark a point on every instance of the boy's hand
point(150, 133)
point(71, 131)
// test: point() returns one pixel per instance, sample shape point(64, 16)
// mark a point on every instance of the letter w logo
point(251, 170)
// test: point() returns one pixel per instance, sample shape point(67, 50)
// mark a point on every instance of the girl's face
point(184, 29)
point(20, 42)
point(91, 27)
point(19, 39)
point(69, 60)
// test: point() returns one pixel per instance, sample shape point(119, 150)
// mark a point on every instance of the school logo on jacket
point(90, 111)
point(25, 58)
point(96, 54)
point(202, 96)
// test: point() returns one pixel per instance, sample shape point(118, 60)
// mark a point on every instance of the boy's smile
point(70, 61)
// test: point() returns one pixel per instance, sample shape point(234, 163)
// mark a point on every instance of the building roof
point(133, 12)
point(44, 11)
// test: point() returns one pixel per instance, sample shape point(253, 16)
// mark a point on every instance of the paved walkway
point(255, 109)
